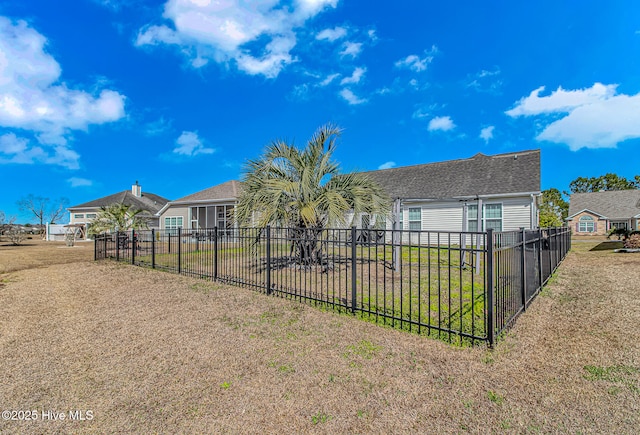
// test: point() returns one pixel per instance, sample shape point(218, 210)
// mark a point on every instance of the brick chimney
point(136, 189)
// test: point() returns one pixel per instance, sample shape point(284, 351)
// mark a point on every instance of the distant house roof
point(614, 204)
point(227, 191)
point(480, 175)
point(149, 202)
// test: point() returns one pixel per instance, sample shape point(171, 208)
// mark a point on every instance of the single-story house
point(443, 196)
point(149, 203)
point(207, 208)
point(446, 196)
point(595, 213)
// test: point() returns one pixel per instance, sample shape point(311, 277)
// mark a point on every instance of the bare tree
point(43, 208)
point(16, 235)
point(5, 222)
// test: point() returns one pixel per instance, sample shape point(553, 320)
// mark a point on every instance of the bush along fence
point(463, 287)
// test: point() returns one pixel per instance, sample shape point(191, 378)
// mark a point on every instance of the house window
point(472, 218)
point(415, 218)
point(586, 224)
point(78, 216)
point(91, 215)
point(172, 223)
point(491, 219)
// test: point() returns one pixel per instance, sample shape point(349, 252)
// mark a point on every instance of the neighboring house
point(595, 213)
point(207, 208)
point(149, 203)
point(446, 196)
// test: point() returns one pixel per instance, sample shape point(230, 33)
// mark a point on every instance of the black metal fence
point(463, 287)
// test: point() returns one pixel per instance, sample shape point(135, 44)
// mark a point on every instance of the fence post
point(95, 248)
point(524, 269)
point(540, 258)
point(353, 269)
point(268, 231)
point(153, 248)
point(104, 237)
point(133, 246)
point(490, 287)
point(179, 250)
point(117, 245)
point(215, 253)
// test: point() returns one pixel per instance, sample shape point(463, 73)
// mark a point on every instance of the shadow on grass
point(608, 246)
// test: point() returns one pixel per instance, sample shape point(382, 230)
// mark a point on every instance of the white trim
point(588, 211)
point(469, 197)
point(226, 201)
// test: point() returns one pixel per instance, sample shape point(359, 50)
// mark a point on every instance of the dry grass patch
point(152, 352)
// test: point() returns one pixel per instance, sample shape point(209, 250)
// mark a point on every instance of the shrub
point(621, 233)
point(633, 242)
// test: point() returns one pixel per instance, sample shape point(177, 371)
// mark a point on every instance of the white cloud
point(157, 127)
point(561, 101)
point(189, 144)
point(332, 34)
point(355, 78)
point(487, 133)
point(443, 123)
point(351, 98)
point(387, 165)
point(220, 31)
point(413, 62)
point(32, 98)
point(79, 182)
point(352, 49)
point(595, 117)
point(329, 79)
point(486, 81)
point(18, 150)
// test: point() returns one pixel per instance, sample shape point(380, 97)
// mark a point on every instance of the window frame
point(412, 220)
point(473, 220)
point(588, 221)
point(171, 229)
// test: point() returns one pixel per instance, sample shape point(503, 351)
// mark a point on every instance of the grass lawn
point(151, 352)
point(430, 293)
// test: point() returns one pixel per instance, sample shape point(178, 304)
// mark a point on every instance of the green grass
point(433, 286)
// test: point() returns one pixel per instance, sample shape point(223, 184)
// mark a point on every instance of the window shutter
point(595, 227)
point(577, 227)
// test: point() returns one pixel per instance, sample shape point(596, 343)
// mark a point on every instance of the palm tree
point(117, 217)
point(305, 190)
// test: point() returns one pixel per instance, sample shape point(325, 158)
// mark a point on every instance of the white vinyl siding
point(516, 214)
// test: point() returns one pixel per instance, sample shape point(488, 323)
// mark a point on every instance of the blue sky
point(96, 94)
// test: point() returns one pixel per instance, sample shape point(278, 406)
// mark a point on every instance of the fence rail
point(463, 287)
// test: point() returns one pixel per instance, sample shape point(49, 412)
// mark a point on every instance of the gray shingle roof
point(149, 202)
point(226, 190)
point(479, 175)
point(613, 204)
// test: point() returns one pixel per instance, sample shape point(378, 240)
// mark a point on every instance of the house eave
point(195, 202)
point(586, 210)
point(471, 197)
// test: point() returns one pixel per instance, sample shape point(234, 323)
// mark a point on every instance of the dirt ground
point(121, 349)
